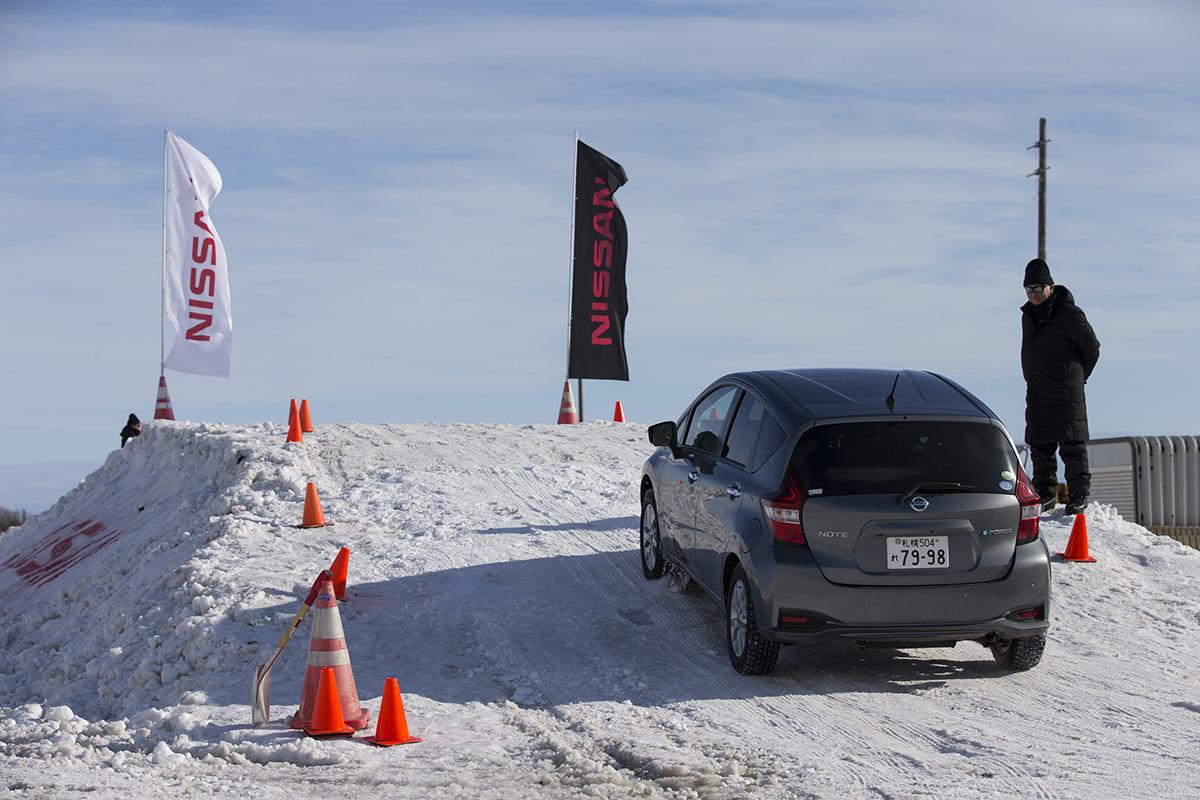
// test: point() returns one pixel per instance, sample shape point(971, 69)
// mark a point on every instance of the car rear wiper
point(934, 486)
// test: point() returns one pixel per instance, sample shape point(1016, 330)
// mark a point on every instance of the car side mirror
point(663, 434)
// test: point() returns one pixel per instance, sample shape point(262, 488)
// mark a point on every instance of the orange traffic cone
point(327, 719)
point(294, 434)
point(392, 727)
point(618, 413)
point(339, 569)
point(327, 653)
point(314, 517)
point(1077, 545)
point(567, 415)
point(162, 405)
point(305, 417)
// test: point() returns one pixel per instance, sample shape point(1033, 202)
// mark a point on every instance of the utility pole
point(1040, 144)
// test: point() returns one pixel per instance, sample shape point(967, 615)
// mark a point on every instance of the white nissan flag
point(196, 276)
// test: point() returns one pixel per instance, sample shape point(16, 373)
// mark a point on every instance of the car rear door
point(909, 502)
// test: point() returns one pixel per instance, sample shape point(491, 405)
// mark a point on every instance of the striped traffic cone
point(567, 415)
point(327, 648)
point(162, 406)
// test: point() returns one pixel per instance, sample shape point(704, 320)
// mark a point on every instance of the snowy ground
point(494, 571)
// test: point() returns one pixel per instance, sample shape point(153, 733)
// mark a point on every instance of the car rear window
point(894, 456)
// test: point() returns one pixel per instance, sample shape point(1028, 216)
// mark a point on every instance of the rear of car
point(905, 531)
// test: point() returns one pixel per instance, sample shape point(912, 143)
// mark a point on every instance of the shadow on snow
point(584, 628)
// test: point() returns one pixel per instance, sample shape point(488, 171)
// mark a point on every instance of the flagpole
point(162, 312)
point(571, 262)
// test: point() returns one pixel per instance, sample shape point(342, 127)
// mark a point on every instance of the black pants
point(1075, 467)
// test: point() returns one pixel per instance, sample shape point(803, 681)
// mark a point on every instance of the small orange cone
point(327, 719)
point(305, 417)
point(567, 415)
point(294, 434)
point(618, 413)
point(392, 727)
point(314, 517)
point(339, 569)
point(1077, 545)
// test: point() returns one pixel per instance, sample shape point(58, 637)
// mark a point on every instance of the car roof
point(831, 393)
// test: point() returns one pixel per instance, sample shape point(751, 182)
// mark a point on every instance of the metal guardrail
point(1151, 480)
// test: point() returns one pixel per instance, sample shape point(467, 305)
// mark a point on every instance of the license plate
point(918, 552)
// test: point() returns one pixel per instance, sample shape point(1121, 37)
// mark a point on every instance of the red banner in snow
point(60, 550)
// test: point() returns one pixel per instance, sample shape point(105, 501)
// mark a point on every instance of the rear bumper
point(927, 634)
point(788, 582)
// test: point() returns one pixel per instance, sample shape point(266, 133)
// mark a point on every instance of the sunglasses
point(1036, 289)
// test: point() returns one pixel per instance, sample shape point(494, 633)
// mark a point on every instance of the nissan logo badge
point(918, 504)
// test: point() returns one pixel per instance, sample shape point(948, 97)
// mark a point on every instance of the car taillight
point(1031, 509)
point(783, 511)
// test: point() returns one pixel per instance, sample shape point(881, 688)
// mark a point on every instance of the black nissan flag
point(598, 297)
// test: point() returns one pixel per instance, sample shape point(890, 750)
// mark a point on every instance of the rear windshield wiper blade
point(935, 486)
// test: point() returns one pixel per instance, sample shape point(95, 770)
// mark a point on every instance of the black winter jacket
point(1059, 350)
point(132, 428)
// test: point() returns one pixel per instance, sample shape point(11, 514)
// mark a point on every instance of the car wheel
point(651, 540)
point(1024, 653)
point(749, 652)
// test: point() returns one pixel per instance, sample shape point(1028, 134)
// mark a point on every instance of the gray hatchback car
point(882, 507)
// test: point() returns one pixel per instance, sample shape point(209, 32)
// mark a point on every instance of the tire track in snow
point(705, 665)
point(617, 584)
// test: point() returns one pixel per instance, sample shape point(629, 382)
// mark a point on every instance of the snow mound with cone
point(494, 572)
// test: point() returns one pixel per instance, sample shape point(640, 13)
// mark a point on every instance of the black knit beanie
point(1037, 271)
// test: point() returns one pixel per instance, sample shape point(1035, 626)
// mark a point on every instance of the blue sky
point(817, 184)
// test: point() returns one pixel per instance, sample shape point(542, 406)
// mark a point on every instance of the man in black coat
point(1059, 350)
point(132, 428)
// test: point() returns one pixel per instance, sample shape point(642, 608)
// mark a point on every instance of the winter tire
point(1019, 654)
point(651, 539)
point(749, 652)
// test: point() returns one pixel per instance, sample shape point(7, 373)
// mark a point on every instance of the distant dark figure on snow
point(1059, 350)
point(132, 428)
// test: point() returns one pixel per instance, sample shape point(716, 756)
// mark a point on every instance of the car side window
point(708, 420)
point(681, 425)
point(743, 434)
point(770, 437)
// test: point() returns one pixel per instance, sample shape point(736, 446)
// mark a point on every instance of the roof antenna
point(891, 398)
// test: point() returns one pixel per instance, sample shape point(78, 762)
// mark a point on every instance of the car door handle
point(734, 490)
point(694, 476)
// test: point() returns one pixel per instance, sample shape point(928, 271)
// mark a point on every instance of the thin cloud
point(808, 186)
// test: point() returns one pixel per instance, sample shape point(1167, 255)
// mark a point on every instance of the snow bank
point(494, 570)
point(146, 586)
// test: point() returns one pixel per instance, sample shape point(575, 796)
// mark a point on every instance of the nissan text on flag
point(598, 294)
point(196, 306)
